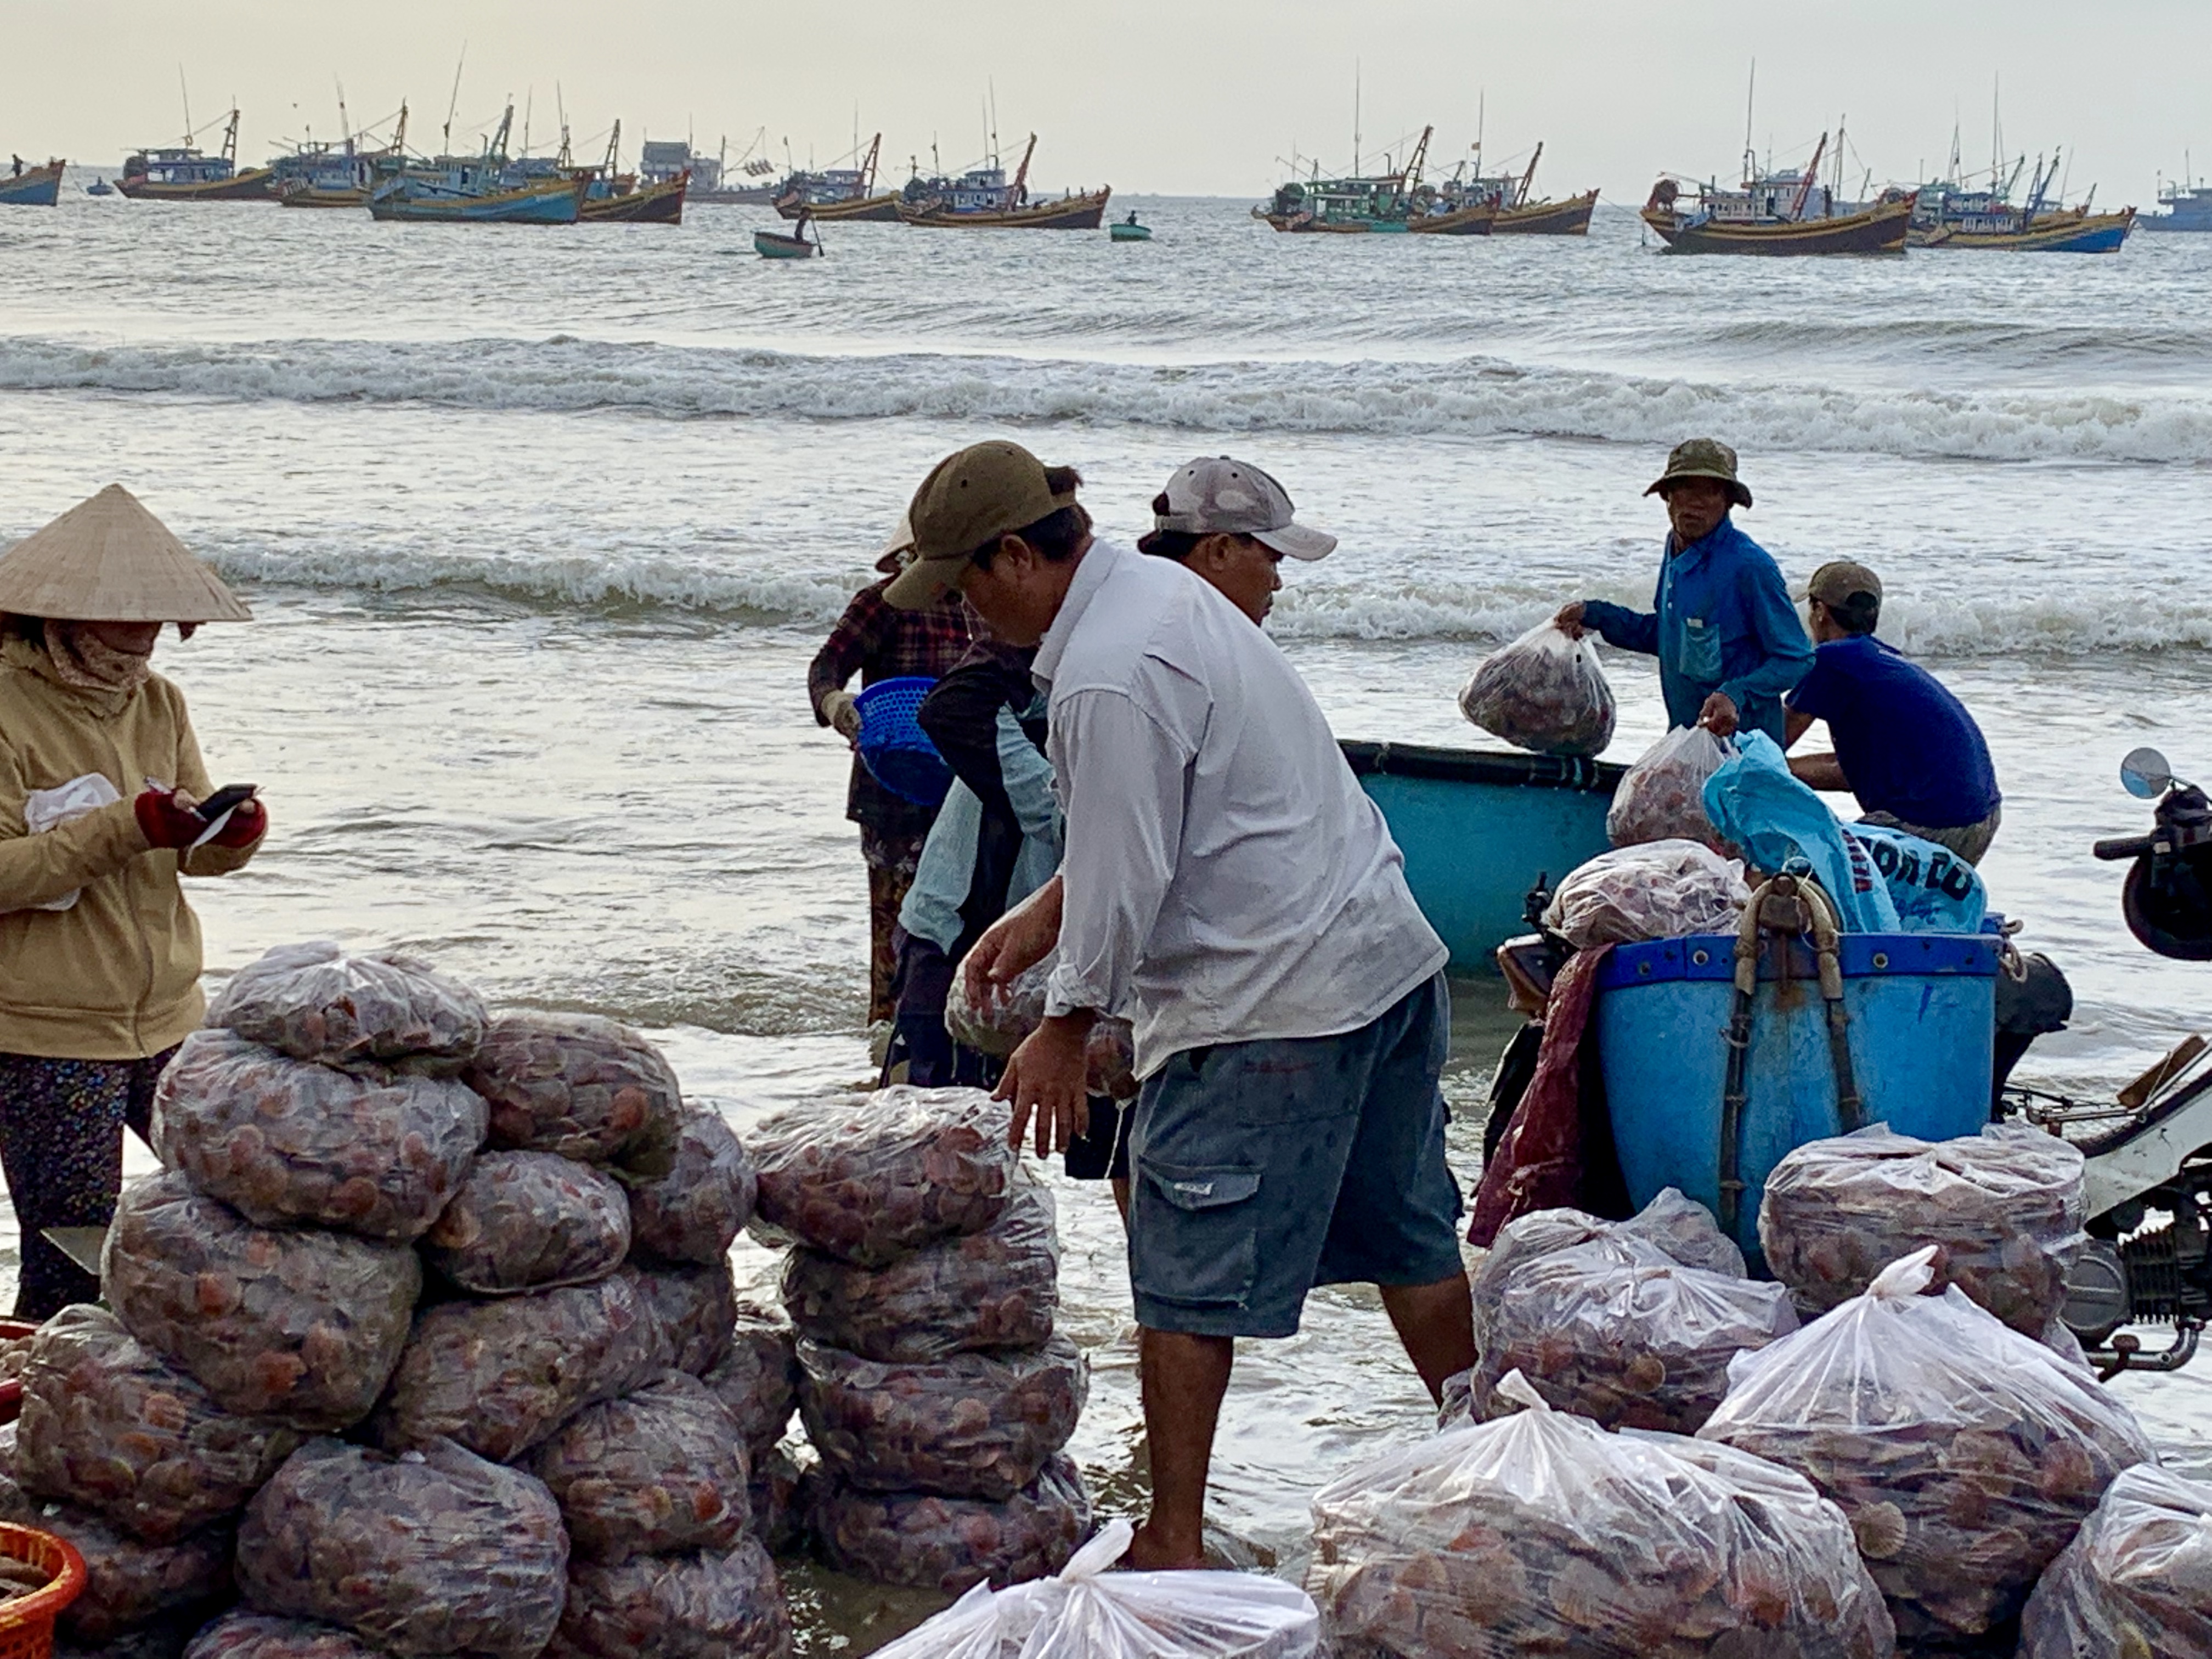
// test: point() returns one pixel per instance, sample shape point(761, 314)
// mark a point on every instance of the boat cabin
point(1769, 199)
point(179, 166)
point(661, 160)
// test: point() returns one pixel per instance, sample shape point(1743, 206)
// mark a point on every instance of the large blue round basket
point(897, 751)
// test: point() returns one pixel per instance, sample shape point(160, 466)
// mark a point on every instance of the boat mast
point(1805, 183)
point(1355, 118)
point(1750, 101)
point(187, 92)
point(868, 166)
point(454, 104)
point(230, 137)
point(1529, 179)
point(614, 148)
point(1017, 192)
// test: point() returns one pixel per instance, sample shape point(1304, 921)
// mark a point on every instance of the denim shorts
point(1264, 1169)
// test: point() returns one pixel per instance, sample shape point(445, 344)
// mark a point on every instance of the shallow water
point(541, 529)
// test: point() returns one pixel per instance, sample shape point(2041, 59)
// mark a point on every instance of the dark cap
point(1702, 457)
point(1840, 581)
point(969, 498)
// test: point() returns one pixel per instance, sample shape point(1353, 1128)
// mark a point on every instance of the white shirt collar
point(1090, 576)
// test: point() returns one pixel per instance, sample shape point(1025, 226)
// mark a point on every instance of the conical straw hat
point(109, 559)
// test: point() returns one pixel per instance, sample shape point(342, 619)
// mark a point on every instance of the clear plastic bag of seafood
point(1110, 1060)
point(1088, 1611)
point(779, 1522)
point(2136, 1581)
point(303, 1327)
point(530, 1221)
point(1660, 889)
point(580, 1085)
point(1680, 1230)
point(759, 1381)
point(996, 1289)
point(970, 1425)
point(320, 1002)
point(697, 1308)
point(1542, 1533)
point(287, 1143)
point(1662, 798)
point(1619, 1331)
point(695, 1211)
point(1545, 692)
point(246, 1634)
point(109, 1426)
point(130, 1584)
point(431, 1552)
point(497, 1377)
point(2004, 1209)
point(927, 1542)
point(660, 1472)
point(1965, 1453)
point(1002, 1018)
point(716, 1604)
point(872, 1179)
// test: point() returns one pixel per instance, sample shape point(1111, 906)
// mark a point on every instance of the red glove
point(164, 823)
point(247, 826)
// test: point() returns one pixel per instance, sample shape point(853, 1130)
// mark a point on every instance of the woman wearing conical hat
point(99, 954)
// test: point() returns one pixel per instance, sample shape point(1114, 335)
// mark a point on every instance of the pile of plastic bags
point(2136, 1581)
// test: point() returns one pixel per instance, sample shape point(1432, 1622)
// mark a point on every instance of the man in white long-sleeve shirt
point(1227, 886)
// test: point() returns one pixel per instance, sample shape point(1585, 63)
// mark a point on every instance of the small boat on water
point(1128, 230)
point(31, 187)
point(774, 245)
point(1519, 213)
point(100, 186)
point(1775, 214)
point(1394, 202)
point(842, 193)
point(183, 174)
point(982, 199)
point(1956, 219)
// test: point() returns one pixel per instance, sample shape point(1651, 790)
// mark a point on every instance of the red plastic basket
point(26, 1624)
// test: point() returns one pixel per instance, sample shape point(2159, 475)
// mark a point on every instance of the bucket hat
point(1702, 457)
point(1218, 496)
point(109, 559)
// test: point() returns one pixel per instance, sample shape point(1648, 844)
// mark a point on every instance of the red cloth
point(1540, 1165)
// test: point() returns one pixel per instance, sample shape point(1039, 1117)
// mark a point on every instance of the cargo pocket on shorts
point(1199, 1248)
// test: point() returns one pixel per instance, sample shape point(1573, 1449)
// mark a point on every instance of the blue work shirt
point(1721, 621)
point(1907, 746)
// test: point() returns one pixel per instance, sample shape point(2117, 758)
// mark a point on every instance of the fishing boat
point(1519, 212)
point(31, 187)
point(183, 174)
point(1128, 230)
point(419, 196)
point(2185, 208)
point(1953, 218)
point(340, 175)
point(841, 194)
point(636, 203)
point(982, 199)
point(1393, 202)
point(712, 175)
point(774, 245)
point(1783, 214)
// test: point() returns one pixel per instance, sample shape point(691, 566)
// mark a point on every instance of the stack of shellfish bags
point(396, 1344)
point(924, 1286)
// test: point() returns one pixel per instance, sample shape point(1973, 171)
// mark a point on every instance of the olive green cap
point(1702, 457)
point(969, 499)
point(1840, 581)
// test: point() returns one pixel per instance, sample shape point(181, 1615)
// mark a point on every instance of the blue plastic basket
point(897, 751)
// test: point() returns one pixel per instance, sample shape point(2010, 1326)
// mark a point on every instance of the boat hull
point(307, 195)
point(1466, 222)
point(1569, 218)
point(556, 202)
point(2099, 233)
point(33, 187)
point(1479, 827)
point(656, 205)
point(1881, 229)
point(861, 209)
point(1072, 213)
point(1130, 232)
point(253, 184)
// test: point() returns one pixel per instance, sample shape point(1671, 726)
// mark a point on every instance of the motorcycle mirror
point(2145, 774)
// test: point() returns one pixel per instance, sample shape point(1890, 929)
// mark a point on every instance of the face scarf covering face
point(87, 663)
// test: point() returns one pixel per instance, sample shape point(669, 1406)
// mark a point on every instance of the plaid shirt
point(880, 642)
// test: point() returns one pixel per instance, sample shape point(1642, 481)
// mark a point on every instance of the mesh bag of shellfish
point(659, 1472)
point(580, 1085)
point(997, 1022)
point(319, 1002)
point(696, 1210)
point(1545, 693)
point(759, 1381)
point(928, 1541)
point(870, 1180)
point(243, 1635)
point(1660, 889)
point(530, 1221)
point(716, 1604)
point(1662, 797)
point(1542, 1533)
point(1965, 1453)
point(497, 1377)
point(1620, 1332)
point(2003, 1208)
point(1088, 1611)
point(286, 1143)
point(2136, 1581)
point(970, 1425)
point(431, 1552)
point(697, 1307)
point(304, 1327)
point(996, 1289)
point(109, 1426)
point(130, 1584)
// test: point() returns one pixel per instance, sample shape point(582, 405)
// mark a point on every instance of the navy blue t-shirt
point(1908, 746)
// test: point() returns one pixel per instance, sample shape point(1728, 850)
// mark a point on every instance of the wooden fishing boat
point(31, 187)
point(1952, 216)
point(1570, 218)
point(2072, 232)
point(1479, 827)
point(182, 173)
point(1776, 214)
point(1394, 203)
point(982, 199)
point(424, 199)
point(846, 194)
point(1519, 212)
point(646, 204)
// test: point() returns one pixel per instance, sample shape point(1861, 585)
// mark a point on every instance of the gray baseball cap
point(1215, 496)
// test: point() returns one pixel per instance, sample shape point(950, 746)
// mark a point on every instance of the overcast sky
point(1200, 96)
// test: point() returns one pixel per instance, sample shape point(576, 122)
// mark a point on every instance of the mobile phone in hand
point(230, 796)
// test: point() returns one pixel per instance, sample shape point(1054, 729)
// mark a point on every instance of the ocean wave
point(1467, 398)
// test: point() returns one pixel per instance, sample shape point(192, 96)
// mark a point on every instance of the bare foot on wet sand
point(1148, 1554)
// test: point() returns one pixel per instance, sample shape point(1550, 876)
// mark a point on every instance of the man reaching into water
point(1228, 885)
